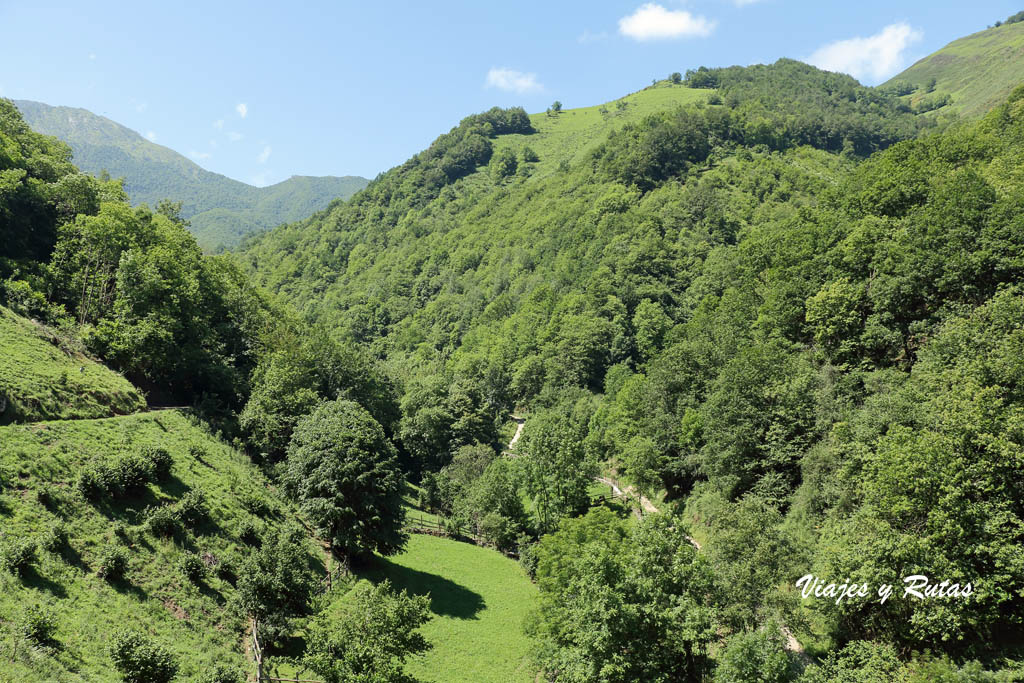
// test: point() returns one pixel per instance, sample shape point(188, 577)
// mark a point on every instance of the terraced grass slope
point(43, 379)
point(977, 71)
point(39, 464)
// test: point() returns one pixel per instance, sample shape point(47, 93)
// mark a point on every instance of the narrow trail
point(646, 506)
point(520, 421)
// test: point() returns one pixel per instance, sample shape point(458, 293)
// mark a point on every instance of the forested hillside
point(774, 299)
point(645, 366)
point(220, 211)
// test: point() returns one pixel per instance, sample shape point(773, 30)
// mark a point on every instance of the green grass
point(978, 71)
point(572, 134)
point(43, 379)
point(479, 599)
point(192, 621)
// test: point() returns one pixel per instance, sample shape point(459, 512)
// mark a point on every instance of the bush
point(223, 673)
point(192, 567)
point(16, 556)
point(254, 503)
point(192, 508)
point(249, 532)
point(93, 482)
point(160, 462)
point(759, 656)
point(55, 539)
point(37, 624)
point(113, 563)
point(131, 473)
point(163, 521)
point(139, 660)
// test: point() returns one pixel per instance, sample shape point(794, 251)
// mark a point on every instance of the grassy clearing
point(979, 71)
point(479, 599)
point(40, 380)
point(570, 135)
point(38, 465)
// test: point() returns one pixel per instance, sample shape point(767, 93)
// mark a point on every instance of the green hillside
point(44, 377)
point(39, 466)
point(221, 210)
point(977, 72)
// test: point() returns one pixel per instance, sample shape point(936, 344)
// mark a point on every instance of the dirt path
point(520, 421)
point(646, 506)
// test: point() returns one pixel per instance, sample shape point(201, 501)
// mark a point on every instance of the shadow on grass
point(126, 587)
point(447, 598)
point(33, 579)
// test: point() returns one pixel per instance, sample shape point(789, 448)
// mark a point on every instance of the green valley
point(579, 396)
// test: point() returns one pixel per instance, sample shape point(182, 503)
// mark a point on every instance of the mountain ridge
point(221, 210)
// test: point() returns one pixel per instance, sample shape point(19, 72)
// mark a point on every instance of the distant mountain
point(221, 210)
point(976, 72)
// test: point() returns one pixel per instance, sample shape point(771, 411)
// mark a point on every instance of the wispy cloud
point(151, 136)
point(590, 37)
point(264, 155)
point(653, 22)
point(141, 107)
point(243, 109)
point(874, 58)
point(513, 81)
point(199, 156)
point(218, 124)
point(92, 56)
point(261, 179)
point(234, 137)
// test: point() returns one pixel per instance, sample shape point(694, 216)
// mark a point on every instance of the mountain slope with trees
point(733, 299)
point(969, 76)
point(221, 211)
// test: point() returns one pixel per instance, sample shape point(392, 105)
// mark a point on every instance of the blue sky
point(261, 91)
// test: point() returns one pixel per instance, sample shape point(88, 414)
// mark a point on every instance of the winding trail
point(646, 506)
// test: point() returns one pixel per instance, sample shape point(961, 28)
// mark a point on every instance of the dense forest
point(787, 310)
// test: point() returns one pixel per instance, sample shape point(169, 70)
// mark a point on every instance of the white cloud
point(261, 179)
point(234, 137)
point(151, 136)
point(874, 58)
point(218, 124)
point(264, 155)
point(653, 22)
point(588, 37)
point(513, 81)
point(243, 109)
point(199, 156)
point(92, 56)
point(141, 107)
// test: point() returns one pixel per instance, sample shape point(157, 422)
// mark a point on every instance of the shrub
point(16, 556)
point(92, 483)
point(227, 570)
point(249, 532)
point(254, 503)
point(192, 567)
point(163, 521)
point(223, 673)
point(37, 623)
point(130, 474)
point(113, 563)
point(192, 508)
point(55, 539)
point(160, 462)
point(46, 499)
point(139, 660)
